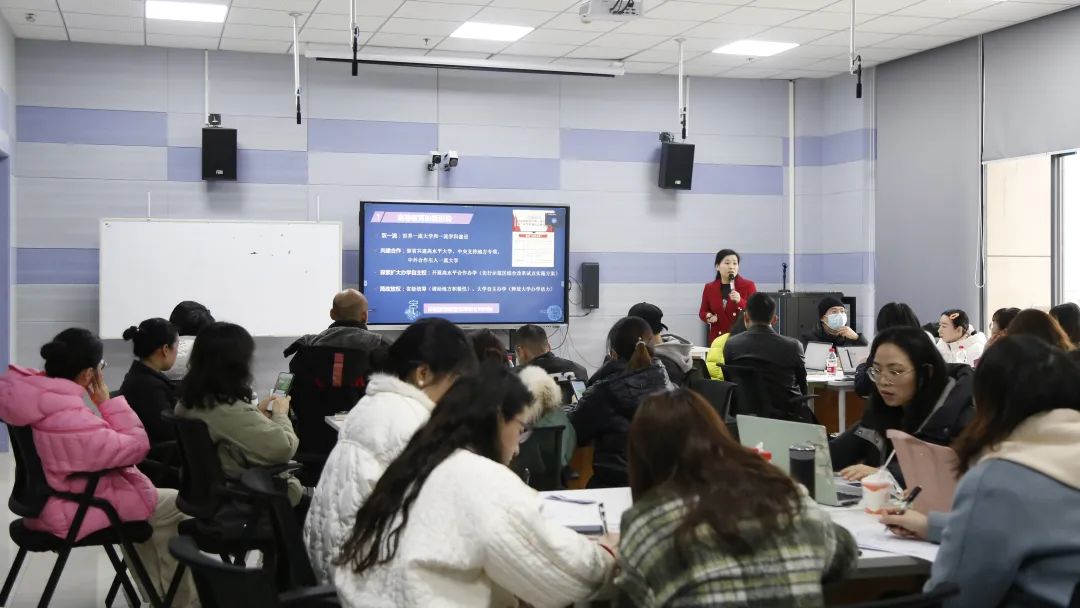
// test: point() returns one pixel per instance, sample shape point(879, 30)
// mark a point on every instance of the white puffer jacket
point(476, 537)
point(372, 436)
point(974, 344)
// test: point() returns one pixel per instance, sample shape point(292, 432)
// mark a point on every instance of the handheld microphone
point(731, 277)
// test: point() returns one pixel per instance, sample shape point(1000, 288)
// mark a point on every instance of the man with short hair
point(532, 348)
point(673, 351)
point(779, 359)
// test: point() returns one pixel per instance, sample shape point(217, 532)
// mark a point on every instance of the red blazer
point(712, 302)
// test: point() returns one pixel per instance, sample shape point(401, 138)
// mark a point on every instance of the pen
point(603, 517)
point(912, 495)
point(576, 501)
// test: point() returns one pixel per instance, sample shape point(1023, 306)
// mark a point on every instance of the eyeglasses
point(886, 377)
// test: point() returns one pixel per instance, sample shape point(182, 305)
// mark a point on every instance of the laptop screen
point(816, 353)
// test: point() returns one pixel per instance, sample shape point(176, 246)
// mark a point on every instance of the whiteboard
point(273, 278)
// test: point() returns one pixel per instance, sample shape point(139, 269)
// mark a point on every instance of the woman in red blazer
point(720, 303)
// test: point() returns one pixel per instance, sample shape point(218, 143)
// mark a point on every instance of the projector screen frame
point(507, 325)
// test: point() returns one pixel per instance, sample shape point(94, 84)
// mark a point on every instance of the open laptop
point(852, 356)
point(779, 435)
point(815, 355)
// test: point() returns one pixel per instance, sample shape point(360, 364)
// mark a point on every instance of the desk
point(839, 385)
point(872, 564)
point(699, 352)
point(336, 421)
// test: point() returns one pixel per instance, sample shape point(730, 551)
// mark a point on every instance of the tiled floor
point(86, 577)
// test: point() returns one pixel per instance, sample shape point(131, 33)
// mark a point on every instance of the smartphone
point(283, 384)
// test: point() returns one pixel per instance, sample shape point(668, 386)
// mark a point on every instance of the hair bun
point(131, 332)
point(53, 350)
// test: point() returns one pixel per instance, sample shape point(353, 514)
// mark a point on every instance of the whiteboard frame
point(132, 220)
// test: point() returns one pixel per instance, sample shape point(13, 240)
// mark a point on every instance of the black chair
point(932, 599)
point(753, 396)
point(1074, 601)
point(222, 585)
point(28, 497)
point(294, 566)
point(539, 459)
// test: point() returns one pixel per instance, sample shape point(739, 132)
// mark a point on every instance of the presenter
point(724, 299)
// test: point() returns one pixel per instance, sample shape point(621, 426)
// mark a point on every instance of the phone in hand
point(283, 384)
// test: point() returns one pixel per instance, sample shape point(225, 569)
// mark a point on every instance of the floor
point(86, 577)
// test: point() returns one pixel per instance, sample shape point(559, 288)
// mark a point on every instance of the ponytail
point(642, 357)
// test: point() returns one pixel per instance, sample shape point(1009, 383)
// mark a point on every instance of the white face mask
point(836, 320)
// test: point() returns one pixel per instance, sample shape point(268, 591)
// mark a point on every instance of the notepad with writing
point(580, 517)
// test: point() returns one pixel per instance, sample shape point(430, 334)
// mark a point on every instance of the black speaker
point(219, 153)
point(590, 285)
point(676, 165)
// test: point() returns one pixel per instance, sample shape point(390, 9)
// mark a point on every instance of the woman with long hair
point(893, 314)
point(604, 412)
point(1068, 316)
point(1010, 538)
point(423, 363)
point(449, 524)
point(713, 523)
point(916, 392)
point(724, 299)
point(1037, 324)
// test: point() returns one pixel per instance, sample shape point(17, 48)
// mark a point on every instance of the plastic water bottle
point(961, 356)
point(831, 362)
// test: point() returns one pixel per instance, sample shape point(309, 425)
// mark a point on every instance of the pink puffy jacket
point(70, 438)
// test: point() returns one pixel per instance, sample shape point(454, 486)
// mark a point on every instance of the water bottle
point(801, 464)
point(831, 362)
point(961, 356)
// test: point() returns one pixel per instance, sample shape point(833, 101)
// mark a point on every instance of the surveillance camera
point(585, 11)
point(451, 159)
point(436, 160)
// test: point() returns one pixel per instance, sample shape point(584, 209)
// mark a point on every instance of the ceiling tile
point(341, 22)
point(104, 22)
point(404, 40)
point(1014, 12)
point(750, 72)
point(828, 21)
point(512, 16)
point(645, 67)
point(761, 16)
point(258, 16)
point(583, 63)
point(106, 36)
point(570, 21)
point(472, 46)
point(458, 55)
point(183, 42)
point(337, 38)
point(424, 27)
point(870, 7)
point(289, 6)
point(16, 16)
point(433, 10)
point(691, 46)
point(655, 26)
point(39, 5)
point(535, 49)
point(784, 61)
point(818, 51)
point(963, 27)
point(665, 55)
point(637, 42)
point(377, 8)
point(547, 36)
point(254, 46)
point(117, 8)
point(258, 32)
point(723, 33)
point(591, 52)
point(524, 59)
point(694, 11)
point(890, 24)
point(718, 60)
point(882, 54)
point(791, 34)
point(797, 74)
point(183, 28)
point(555, 6)
point(40, 32)
point(806, 5)
point(861, 38)
point(694, 70)
point(919, 42)
point(946, 10)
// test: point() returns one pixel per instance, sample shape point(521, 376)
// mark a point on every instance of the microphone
point(731, 277)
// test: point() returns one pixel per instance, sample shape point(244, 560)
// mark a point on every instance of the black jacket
point(779, 360)
point(149, 393)
point(557, 365)
point(604, 413)
point(820, 335)
point(352, 335)
point(866, 443)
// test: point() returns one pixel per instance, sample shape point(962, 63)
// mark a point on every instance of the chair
point(931, 467)
point(222, 585)
point(1074, 601)
point(28, 497)
point(294, 566)
point(539, 460)
point(753, 396)
point(932, 599)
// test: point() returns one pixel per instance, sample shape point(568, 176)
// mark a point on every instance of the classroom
point(544, 303)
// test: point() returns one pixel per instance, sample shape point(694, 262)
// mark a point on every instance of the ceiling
point(886, 29)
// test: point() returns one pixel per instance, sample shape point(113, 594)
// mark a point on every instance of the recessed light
point(186, 11)
point(755, 48)
point(491, 31)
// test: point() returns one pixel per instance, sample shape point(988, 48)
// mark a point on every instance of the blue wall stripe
point(82, 126)
point(80, 266)
point(252, 166)
point(503, 173)
point(834, 149)
point(597, 144)
point(371, 137)
point(738, 179)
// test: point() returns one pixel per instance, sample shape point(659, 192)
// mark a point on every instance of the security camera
point(585, 11)
point(451, 159)
point(436, 160)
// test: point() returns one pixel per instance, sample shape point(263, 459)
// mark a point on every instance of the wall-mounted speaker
point(676, 165)
point(590, 285)
point(218, 153)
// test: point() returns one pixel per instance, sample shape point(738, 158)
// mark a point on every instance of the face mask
point(836, 320)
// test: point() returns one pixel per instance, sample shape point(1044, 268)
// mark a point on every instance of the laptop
point(815, 355)
point(779, 435)
point(852, 356)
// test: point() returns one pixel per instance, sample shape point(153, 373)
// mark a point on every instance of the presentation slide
point(471, 264)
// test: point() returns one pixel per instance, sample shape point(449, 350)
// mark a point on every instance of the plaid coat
point(785, 569)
